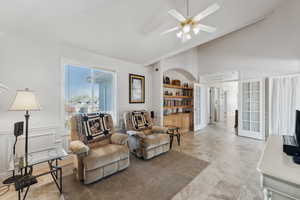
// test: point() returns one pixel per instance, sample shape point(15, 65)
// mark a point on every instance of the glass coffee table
point(23, 166)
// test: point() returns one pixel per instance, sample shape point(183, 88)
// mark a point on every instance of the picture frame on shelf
point(136, 88)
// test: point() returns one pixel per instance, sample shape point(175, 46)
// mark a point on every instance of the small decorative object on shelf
point(166, 80)
point(176, 82)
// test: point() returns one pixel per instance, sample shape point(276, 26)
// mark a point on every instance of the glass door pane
point(103, 91)
point(246, 125)
point(250, 106)
point(78, 91)
point(255, 127)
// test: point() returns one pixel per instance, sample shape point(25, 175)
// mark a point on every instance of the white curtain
point(283, 102)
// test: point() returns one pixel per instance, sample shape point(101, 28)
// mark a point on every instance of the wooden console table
point(280, 176)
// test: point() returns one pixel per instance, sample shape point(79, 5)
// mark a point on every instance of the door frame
point(203, 106)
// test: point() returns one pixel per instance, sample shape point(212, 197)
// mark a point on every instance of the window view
point(88, 90)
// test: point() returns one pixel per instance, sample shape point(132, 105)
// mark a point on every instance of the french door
point(200, 104)
point(252, 109)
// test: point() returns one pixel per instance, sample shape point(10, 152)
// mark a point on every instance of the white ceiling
point(128, 30)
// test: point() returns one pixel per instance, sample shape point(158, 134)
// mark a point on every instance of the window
point(88, 90)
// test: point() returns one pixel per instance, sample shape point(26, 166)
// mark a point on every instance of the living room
point(151, 80)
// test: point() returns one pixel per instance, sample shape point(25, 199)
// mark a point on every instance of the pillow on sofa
point(95, 126)
point(139, 120)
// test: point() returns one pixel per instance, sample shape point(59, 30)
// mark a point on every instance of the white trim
point(284, 75)
point(68, 61)
point(37, 135)
point(34, 129)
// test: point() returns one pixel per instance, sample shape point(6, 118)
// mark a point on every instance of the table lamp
point(25, 100)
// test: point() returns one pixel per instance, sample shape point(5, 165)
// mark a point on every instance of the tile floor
point(232, 174)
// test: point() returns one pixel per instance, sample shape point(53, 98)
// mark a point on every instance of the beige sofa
point(105, 155)
point(145, 140)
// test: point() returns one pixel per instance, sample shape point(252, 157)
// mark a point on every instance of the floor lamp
point(25, 100)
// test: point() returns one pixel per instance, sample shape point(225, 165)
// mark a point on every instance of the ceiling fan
point(189, 24)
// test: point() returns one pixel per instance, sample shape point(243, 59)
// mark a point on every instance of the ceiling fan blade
point(177, 15)
point(206, 28)
point(211, 9)
point(170, 30)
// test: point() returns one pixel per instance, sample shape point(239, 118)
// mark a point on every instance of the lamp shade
point(25, 100)
point(3, 88)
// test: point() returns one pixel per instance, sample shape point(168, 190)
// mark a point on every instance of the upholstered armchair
point(145, 140)
point(99, 151)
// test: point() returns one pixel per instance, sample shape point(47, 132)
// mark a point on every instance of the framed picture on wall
point(136, 88)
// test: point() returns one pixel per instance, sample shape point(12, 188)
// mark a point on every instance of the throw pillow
point(139, 120)
point(95, 126)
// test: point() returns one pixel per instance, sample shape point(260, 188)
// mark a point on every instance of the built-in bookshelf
point(178, 106)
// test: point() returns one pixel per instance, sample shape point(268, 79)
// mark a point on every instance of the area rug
point(159, 178)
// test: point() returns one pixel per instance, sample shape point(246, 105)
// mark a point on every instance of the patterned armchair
point(145, 140)
point(99, 151)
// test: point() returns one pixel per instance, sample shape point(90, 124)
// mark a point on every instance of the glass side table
point(24, 167)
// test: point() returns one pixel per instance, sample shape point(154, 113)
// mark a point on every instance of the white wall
point(187, 60)
point(25, 63)
point(157, 92)
point(28, 63)
point(270, 47)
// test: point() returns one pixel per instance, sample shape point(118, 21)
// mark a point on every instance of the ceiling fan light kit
point(191, 25)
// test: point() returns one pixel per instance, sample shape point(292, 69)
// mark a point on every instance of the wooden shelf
point(178, 97)
point(179, 113)
point(177, 87)
point(174, 107)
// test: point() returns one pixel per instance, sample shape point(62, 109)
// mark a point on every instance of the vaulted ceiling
point(128, 30)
